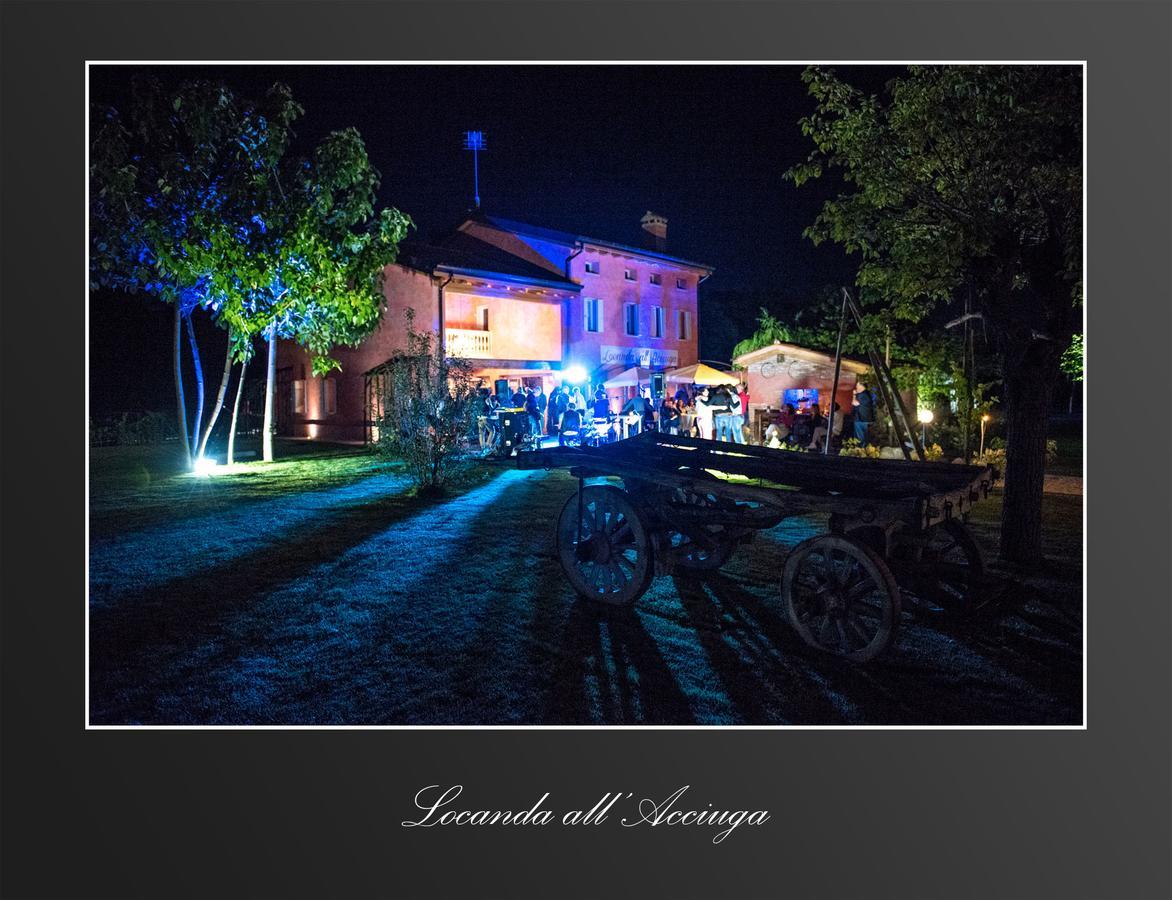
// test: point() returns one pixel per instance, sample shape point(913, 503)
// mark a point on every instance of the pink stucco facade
point(557, 301)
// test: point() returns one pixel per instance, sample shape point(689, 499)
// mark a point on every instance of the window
point(629, 274)
point(592, 267)
point(657, 322)
point(685, 325)
point(299, 396)
point(631, 318)
point(329, 396)
point(682, 284)
point(655, 278)
point(482, 317)
point(592, 314)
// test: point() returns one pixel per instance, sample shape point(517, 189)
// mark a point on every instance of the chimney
point(654, 232)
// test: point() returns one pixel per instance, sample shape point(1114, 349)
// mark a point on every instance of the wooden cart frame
point(686, 504)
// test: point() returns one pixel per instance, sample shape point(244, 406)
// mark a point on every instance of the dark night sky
point(584, 148)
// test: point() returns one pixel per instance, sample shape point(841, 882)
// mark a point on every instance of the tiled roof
point(570, 238)
point(464, 253)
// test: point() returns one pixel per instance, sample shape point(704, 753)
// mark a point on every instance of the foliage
point(770, 330)
point(426, 408)
point(1073, 357)
point(196, 200)
point(852, 447)
point(965, 169)
point(994, 454)
point(129, 430)
point(966, 182)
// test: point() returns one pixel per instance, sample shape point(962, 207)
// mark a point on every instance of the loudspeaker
point(657, 384)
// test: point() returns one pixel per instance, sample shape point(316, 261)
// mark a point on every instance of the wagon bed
point(797, 483)
point(687, 503)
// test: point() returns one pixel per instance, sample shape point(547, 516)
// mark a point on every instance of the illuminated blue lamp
point(574, 374)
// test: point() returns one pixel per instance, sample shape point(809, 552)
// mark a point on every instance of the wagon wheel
point(687, 552)
point(613, 561)
point(944, 572)
point(840, 597)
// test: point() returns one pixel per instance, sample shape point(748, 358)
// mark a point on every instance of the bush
point(425, 404)
point(852, 447)
point(133, 430)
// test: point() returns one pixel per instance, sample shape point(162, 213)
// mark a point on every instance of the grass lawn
point(319, 590)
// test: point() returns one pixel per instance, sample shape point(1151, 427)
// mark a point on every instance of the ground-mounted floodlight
point(205, 467)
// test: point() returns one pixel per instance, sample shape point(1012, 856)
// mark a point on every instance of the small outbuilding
point(787, 373)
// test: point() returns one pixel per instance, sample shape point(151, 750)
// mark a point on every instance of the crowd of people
point(806, 425)
point(712, 412)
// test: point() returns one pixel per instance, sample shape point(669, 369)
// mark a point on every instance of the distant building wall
point(403, 288)
point(612, 348)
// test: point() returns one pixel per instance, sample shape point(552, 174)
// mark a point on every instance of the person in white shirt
point(704, 413)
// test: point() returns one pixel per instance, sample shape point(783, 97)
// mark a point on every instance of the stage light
point(574, 374)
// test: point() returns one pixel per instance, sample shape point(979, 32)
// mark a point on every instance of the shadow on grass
point(138, 632)
point(610, 671)
point(771, 676)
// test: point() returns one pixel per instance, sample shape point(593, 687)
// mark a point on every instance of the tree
point(770, 330)
point(966, 176)
point(309, 265)
point(198, 201)
point(180, 168)
point(425, 400)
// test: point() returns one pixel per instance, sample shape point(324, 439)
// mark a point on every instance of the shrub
point(852, 447)
point(425, 404)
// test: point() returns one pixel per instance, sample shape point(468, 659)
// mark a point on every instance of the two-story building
point(525, 304)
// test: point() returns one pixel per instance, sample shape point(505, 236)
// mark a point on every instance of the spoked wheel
point(840, 597)
point(612, 562)
point(943, 571)
point(718, 544)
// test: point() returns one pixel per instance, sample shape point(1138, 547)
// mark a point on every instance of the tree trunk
point(1028, 383)
point(270, 391)
point(198, 423)
point(235, 413)
point(219, 398)
point(181, 403)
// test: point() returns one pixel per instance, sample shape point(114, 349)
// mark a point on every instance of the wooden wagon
point(658, 504)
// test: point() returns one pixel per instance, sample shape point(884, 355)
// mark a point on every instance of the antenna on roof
point(474, 141)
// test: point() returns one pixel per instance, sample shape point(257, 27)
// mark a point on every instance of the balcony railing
point(468, 343)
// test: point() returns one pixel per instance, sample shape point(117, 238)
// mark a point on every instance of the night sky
point(581, 148)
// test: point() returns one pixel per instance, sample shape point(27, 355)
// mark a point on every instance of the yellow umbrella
point(701, 374)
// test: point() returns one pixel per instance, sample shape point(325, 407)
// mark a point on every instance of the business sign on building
point(644, 357)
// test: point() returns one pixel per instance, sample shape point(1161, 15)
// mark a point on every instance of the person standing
point(736, 415)
point(542, 402)
point(601, 405)
point(559, 402)
point(705, 413)
point(863, 404)
point(669, 416)
point(532, 412)
point(519, 398)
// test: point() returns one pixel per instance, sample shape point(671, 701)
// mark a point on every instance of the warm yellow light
point(926, 416)
point(986, 417)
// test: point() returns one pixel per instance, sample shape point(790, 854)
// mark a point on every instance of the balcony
point(468, 343)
